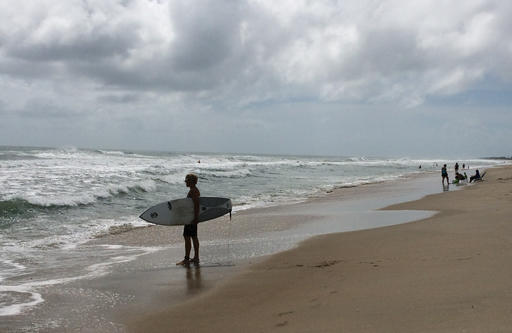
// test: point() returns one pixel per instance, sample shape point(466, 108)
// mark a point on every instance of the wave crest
point(220, 173)
point(22, 203)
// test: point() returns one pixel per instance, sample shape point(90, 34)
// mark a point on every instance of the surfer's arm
point(196, 210)
point(195, 199)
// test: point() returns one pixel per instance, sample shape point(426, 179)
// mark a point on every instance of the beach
point(356, 259)
point(136, 273)
point(74, 248)
point(446, 273)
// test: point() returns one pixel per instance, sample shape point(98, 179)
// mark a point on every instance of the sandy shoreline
point(108, 298)
point(121, 299)
point(446, 273)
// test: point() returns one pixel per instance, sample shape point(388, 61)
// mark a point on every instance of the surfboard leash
point(229, 240)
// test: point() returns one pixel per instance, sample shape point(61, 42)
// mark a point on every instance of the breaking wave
point(22, 203)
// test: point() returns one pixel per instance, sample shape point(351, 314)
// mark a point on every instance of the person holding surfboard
point(190, 230)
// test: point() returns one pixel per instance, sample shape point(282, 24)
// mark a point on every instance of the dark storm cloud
point(334, 51)
point(206, 35)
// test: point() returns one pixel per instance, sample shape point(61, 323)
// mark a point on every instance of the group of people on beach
point(458, 176)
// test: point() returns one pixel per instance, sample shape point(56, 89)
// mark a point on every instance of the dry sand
point(448, 273)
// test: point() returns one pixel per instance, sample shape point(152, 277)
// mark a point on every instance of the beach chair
point(481, 179)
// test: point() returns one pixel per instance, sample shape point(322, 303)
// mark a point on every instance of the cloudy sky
point(354, 77)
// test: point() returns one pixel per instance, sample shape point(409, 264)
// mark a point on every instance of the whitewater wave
point(175, 178)
point(21, 203)
point(219, 173)
point(143, 186)
point(15, 299)
point(114, 153)
point(111, 152)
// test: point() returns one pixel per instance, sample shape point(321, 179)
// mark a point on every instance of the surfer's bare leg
point(188, 247)
point(195, 241)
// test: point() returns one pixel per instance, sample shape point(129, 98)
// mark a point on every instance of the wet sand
point(445, 273)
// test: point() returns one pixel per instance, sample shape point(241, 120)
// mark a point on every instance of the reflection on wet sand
point(194, 281)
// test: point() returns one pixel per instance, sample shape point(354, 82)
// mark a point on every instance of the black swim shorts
point(190, 230)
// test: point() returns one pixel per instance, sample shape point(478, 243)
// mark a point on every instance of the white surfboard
point(181, 211)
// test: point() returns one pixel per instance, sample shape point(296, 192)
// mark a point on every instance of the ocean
point(54, 200)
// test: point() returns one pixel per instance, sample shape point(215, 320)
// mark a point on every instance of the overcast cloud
point(300, 77)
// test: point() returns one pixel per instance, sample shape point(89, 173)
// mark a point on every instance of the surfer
point(190, 230)
point(444, 174)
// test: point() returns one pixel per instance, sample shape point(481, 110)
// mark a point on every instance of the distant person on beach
point(190, 230)
point(456, 167)
point(463, 166)
point(444, 174)
point(476, 176)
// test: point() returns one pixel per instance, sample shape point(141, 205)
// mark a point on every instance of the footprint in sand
point(285, 313)
point(327, 263)
point(369, 263)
